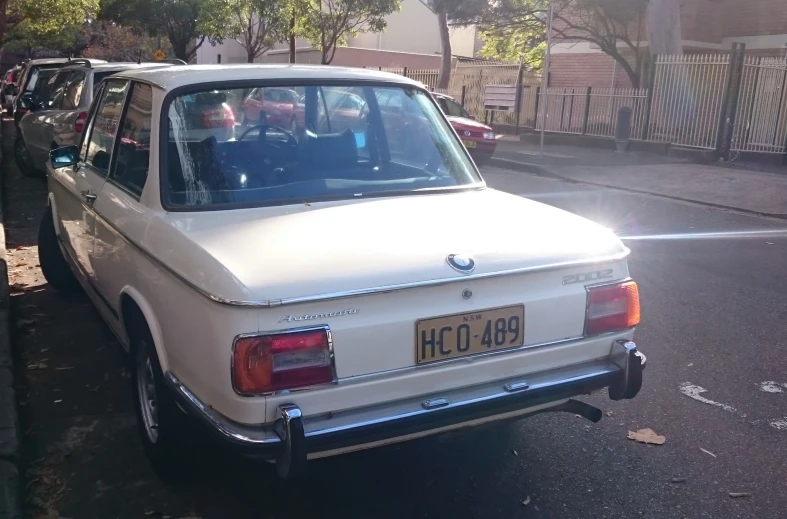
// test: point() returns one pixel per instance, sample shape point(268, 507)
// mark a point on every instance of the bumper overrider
point(293, 437)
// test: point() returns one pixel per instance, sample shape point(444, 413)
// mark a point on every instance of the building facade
point(411, 39)
point(708, 26)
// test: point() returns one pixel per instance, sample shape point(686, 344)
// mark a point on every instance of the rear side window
point(105, 124)
point(133, 152)
point(72, 91)
point(52, 91)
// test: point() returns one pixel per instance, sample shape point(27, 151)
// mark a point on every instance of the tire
point(50, 257)
point(23, 160)
point(167, 441)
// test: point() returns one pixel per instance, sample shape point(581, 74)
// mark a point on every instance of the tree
point(607, 23)
point(258, 25)
point(459, 11)
point(113, 42)
point(514, 30)
point(42, 18)
point(327, 24)
point(188, 24)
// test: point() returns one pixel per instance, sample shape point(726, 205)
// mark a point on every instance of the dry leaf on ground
point(526, 501)
point(708, 452)
point(647, 436)
point(36, 366)
point(739, 494)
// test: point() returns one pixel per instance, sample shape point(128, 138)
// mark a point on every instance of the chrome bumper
point(292, 437)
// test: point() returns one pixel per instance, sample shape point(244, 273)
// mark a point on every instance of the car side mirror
point(64, 157)
point(101, 160)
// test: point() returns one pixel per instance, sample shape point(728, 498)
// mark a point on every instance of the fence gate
point(761, 122)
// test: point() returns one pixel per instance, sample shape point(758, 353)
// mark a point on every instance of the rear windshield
point(294, 144)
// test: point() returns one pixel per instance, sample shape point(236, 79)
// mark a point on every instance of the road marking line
point(692, 391)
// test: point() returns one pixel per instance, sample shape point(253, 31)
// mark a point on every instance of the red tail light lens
point(219, 118)
point(79, 124)
point(266, 363)
point(611, 308)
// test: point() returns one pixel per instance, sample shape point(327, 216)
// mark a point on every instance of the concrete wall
point(355, 57)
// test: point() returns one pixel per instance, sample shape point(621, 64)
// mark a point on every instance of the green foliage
point(258, 25)
point(186, 23)
point(44, 23)
point(327, 24)
point(511, 44)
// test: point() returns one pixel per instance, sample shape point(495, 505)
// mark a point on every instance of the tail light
point(290, 360)
point(79, 124)
point(612, 307)
point(219, 118)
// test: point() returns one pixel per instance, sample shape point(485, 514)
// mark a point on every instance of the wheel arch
point(133, 306)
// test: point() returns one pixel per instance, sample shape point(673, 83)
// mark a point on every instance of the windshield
point(38, 78)
point(452, 108)
point(295, 144)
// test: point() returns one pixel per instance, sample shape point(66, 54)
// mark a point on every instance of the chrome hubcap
point(146, 388)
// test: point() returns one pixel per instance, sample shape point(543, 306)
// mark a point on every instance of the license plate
point(469, 144)
point(459, 335)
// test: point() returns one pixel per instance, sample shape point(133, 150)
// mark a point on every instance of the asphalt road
point(713, 307)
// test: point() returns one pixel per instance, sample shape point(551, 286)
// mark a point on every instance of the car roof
point(177, 76)
point(57, 61)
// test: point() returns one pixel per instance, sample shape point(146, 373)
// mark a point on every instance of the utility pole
point(545, 79)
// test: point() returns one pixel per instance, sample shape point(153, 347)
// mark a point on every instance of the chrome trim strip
point(324, 327)
point(264, 434)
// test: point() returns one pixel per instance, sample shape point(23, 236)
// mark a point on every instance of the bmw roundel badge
point(461, 263)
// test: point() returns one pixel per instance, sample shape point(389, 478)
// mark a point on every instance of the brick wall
point(702, 20)
point(581, 70)
point(755, 17)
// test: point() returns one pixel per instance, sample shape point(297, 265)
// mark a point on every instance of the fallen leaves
point(35, 366)
point(647, 436)
point(526, 501)
point(708, 452)
point(678, 480)
point(18, 288)
point(736, 495)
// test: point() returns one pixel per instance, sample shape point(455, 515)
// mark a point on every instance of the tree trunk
point(179, 48)
point(292, 37)
point(250, 55)
point(662, 18)
point(444, 78)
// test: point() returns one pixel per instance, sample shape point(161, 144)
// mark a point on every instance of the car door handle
point(89, 197)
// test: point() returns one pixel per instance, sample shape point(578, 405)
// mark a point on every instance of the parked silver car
point(58, 117)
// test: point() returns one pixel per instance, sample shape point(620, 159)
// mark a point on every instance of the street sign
point(159, 55)
point(500, 97)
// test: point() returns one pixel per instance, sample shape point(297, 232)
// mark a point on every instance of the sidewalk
point(741, 189)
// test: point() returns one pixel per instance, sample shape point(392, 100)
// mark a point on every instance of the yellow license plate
point(469, 144)
point(459, 335)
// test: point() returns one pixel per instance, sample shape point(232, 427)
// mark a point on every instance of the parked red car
point(479, 139)
point(277, 103)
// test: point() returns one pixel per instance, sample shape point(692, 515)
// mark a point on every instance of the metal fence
point(727, 102)
point(688, 92)
point(761, 120)
point(590, 111)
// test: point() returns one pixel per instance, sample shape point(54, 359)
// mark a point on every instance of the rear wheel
point(23, 159)
point(165, 438)
point(50, 256)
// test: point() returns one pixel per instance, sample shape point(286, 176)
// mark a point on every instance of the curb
point(10, 489)
point(542, 171)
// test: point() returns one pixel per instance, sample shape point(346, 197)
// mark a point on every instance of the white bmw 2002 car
point(347, 285)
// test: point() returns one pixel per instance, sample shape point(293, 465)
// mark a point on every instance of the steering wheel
point(290, 138)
